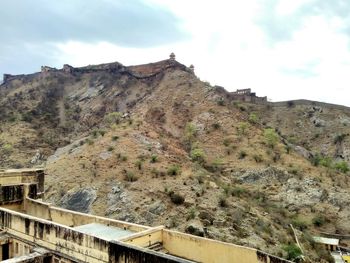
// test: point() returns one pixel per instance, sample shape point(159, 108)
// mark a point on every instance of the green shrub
point(191, 214)
point(94, 133)
point(315, 159)
point(342, 167)
point(293, 252)
point(258, 158)
point(102, 132)
point(154, 158)
point(216, 126)
point(174, 170)
point(110, 148)
point(138, 164)
point(319, 220)
point(237, 191)
point(197, 155)
point(190, 132)
point(253, 118)
point(288, 148)
point(114, 138)
point(89, 142)
point(113, 118)
point(124, 158)
point(326, 162)
point(177, 199)
point(239, 106)
point(271, 137)
point(300, 224)
point(290, 104)
point(223, 201)
point(242, 128)
point(7, 148)
point(242, 154)
point(339, 138)
point(226, 142)
point(216, 165)
point(130, 177)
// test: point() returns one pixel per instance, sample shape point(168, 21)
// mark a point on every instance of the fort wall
point(307, 103)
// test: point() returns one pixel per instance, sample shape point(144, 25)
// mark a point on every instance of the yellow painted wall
point(145, 238)
point(207, 250)
point(37, 208)
point(346, 259)
point(19, 248)
point(56, 237)
point(71, 218)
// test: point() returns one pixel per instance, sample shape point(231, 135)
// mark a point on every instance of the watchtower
point(172, 56)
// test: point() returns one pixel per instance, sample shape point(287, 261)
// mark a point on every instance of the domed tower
point(172, 56)
point(191, 67)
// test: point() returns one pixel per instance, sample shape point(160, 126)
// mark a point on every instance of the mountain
point(154, 144)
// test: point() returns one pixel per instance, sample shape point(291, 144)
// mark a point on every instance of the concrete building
point(246, 95)
point(330, 244)
point(35, 231)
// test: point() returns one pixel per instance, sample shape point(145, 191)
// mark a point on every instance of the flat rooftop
point(105, 232)
point(328, 241)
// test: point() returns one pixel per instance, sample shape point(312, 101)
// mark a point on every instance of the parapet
point(246, 95)
point(172, 56)
point(67, 68)
point(7, 77)
point(47, 69)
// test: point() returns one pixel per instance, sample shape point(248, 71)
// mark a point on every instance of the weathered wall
point(308, 103)
point(11, 194)
point(346, 259)
point(204, 250)
point(146, 238)
point(55, 237)
point(122, 253)
point(75, 244)
point(68, 217)
point(71, 218)
point(37, 208)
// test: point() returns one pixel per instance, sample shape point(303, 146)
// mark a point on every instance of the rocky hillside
point(153, 144)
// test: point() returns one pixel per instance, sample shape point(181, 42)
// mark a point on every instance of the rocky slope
point(153, 144)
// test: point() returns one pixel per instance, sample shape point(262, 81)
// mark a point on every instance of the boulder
point(195, 228)
point(80, 200)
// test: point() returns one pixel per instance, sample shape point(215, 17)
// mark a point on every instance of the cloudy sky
point(284, 49)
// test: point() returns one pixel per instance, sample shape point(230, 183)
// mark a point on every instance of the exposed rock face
point(318, 122)
point(303, 152)
point(117, 198)
point(157, 208)
point(264, 175)
point(301, 193)
point(79, 201)
point(37, 158)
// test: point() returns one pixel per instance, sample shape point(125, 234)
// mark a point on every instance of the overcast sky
point(283, 49)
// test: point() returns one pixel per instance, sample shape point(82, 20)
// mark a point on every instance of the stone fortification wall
point(291, 103)
point(139, 71)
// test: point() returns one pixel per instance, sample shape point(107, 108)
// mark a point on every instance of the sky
point(282, 49)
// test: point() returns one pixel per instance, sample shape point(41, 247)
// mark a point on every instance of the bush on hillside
point(271, 137)
point(293, 252)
